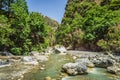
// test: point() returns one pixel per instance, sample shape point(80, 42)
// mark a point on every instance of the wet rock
point(48, 78)
point(75, 68)
point(42, 68)
point(114, 69)
point(90, 65)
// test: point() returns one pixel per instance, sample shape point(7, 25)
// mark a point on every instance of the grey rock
point(27, 59)
point(60, 49)
point(75, 68)
point(85, 61)
point(5, 53)
point(114, 69)
point(102, 61)
point(4, 62)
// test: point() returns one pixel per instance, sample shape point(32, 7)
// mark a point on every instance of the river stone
point(115, 69)
point(48, 78)
point(86, 62)
point(27, 59)
point(60, 49)
point(103, 62)
point(75, 68)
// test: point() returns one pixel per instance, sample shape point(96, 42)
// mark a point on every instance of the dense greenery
point(22, 31)
point(87, 24)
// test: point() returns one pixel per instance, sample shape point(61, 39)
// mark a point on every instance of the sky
point(52, 8)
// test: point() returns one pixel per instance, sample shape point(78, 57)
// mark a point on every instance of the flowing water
point(53, 70)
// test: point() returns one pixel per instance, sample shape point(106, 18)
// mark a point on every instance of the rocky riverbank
point(84, 60)
point(15, 67)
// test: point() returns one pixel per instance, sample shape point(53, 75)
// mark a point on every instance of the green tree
point(41, 34)
point(21, 27)
point(112, 40)
point(5, 32)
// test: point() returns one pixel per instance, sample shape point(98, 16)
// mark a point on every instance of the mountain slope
point(85, 22)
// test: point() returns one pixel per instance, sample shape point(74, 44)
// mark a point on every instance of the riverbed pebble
point(48, 78)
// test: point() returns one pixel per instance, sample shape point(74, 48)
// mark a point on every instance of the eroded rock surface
point(75, 68)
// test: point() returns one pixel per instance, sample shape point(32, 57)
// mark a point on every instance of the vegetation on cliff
point(90, 24)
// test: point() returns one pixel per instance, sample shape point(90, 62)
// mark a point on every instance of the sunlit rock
point(75, 68)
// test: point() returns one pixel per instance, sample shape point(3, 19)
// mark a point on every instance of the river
point(53, 70)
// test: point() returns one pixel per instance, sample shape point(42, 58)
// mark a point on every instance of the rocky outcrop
point(91, 60)
point(60, 49)
point(103, 62)
point(74, 68)
point(86, 62)
point(114, 69)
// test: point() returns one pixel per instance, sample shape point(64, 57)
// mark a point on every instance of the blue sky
point(52, 8)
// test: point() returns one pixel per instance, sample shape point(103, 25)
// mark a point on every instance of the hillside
point(87, 25)
point(51, 22)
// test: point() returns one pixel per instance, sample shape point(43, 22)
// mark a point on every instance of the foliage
point(93, 20)
point(5, 32)
point(22, 31)
point(112, 40)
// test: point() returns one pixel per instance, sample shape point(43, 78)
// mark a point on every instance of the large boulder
point(114, 69)
point(102, 61)
point(60, 49)
point(74, 68)
point(27, 59)
point(86, 62)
